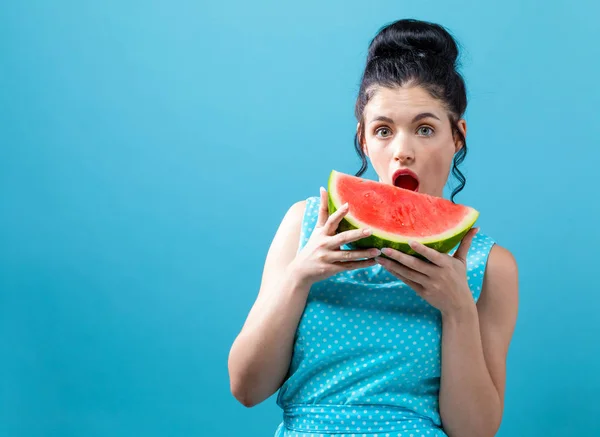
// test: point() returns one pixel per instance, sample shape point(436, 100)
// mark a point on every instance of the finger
point(437, 258)
point(465, 244)
point(334, 219)
point(323, 209)
point(389, 266)
point(352, 255)
point(402, 270)
point(353, 265)
point(348, 237)
point(410, 261)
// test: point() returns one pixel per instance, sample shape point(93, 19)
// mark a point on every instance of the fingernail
point(345, 205)
point(411, 243)
point(386, 251)
point(367, 231)
point(322, 189)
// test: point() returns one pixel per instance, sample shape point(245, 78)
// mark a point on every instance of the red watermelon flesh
point(397, 215)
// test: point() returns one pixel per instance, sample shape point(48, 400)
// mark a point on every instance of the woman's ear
point(462, 126)
point(361, 140)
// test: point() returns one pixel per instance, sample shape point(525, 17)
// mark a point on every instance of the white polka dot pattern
point(366, 358)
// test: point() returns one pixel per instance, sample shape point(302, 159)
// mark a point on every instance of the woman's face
point(406, 128)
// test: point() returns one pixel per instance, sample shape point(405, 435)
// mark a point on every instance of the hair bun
point(410, 39)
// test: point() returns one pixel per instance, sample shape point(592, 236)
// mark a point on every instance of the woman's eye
point(383, 132)
point(427, 128)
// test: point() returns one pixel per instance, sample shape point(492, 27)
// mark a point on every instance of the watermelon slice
point(397, 215)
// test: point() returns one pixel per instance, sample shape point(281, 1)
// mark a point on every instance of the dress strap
point(309, 220)
point(477, 258)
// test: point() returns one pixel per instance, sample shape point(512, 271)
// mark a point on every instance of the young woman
point(360, 345)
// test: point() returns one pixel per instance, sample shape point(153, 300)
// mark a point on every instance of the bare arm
point(260, 356)
point(475, 344)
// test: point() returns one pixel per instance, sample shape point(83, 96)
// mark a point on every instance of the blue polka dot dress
point(366, 358)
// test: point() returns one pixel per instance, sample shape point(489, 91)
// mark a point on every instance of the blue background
point(148, 151)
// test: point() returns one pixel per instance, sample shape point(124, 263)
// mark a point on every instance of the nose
point(403, 151)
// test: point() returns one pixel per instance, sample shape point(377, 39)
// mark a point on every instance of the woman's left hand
point(443, 282)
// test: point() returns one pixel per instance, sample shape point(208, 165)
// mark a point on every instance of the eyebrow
point(417, 117)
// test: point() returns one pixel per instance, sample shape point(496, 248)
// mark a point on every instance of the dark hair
point(417, 53)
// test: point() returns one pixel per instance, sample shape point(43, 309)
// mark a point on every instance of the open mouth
point(406, 180)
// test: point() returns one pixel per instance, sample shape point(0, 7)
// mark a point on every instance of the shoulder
point(292, 219)
point(296, 210)
point(500, 291)
point(501, 267)
point(285, 242)
point(301, 214)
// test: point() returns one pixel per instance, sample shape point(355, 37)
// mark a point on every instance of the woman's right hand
point(322, 257)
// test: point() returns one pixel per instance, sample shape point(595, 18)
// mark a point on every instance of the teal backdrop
point(148, 151)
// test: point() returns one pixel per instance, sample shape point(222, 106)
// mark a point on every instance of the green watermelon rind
point(444, 245)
